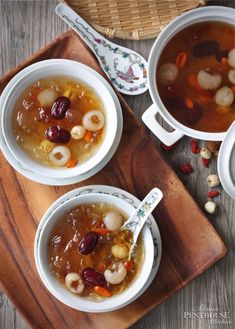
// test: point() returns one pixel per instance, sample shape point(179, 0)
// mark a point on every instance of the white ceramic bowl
point(58, 290)
point(210, 13)
point(73, 69)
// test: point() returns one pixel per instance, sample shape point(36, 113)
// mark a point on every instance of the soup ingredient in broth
point(57, 134)
point(119, 251)
point(231, 76)
point(60, 107)
point(47, 97)
point(231, 58)
point(220, 55)
point(102, 291)
point(81, 245)
point(117, 274)
point(60, 155)
point(208, 81)
point(168, 73)
point(224, 96)
point(113, 220)
point(74, 283)
point(201, 95)
point(181, 59)
point(93, 120)
point(194, 115)
point(78, 132)
point(205, 48)
point(93, 277)
point(50, 113)
point(88, 243)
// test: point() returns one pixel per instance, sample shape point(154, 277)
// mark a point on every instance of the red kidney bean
point(193, 115)
point(60, 107)
point(205, 48)
point(88, 243)
point(93, 277)
point(56, 134)
point(220, 54)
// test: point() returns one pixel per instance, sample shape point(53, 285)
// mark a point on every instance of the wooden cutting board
point(190, 244)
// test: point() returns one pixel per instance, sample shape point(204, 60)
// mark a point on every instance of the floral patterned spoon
point(141, 214)
point(125, 68)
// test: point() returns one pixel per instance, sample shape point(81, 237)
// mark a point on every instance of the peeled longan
point(231, 58)
point(119, 251)
point(168, 73)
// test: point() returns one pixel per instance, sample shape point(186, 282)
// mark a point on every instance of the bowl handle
point(168, 138)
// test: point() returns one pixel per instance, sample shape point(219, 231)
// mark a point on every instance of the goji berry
point(194, 148)
point(213, 194)
point(205, 162)
point(129, 265)
point(167, 148)
point(186, 168)
point(181, 59)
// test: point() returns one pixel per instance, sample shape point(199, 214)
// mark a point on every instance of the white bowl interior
point(58, 290)
point(74, 70)
point(211, 13)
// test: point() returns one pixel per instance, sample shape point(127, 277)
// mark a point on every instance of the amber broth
point(213, 119)
point(64, 239)
point(29, 125)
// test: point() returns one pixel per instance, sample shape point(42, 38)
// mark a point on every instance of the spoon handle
point(89, 35)
point(138, 219)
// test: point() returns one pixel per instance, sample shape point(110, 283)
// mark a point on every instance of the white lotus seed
point(205, 153)
point(224, 96)
point(168, 73)
point(208, 81)
point(231, 58)
point(231, 76)
point(213, 180)
point(78, 132)
point(210, 207)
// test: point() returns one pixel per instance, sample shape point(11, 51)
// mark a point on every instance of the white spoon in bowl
point(125, 68)
point(141, 214)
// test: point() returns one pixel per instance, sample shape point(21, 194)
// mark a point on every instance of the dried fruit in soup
point(57, 134)
point(60, 107)
point(93, 277)
point(193, 115)
point(88, 243)
point(205, 48)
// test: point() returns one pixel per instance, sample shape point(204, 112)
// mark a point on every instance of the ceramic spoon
point(141, 214)
point(125, 68)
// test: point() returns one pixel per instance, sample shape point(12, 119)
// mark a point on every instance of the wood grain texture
point(20, 37)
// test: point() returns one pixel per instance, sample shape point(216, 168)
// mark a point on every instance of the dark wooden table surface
point(26, 26)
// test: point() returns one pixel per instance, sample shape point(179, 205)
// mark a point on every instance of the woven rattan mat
point(131, 19)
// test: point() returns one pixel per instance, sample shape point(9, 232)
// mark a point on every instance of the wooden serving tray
point(190, 244)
